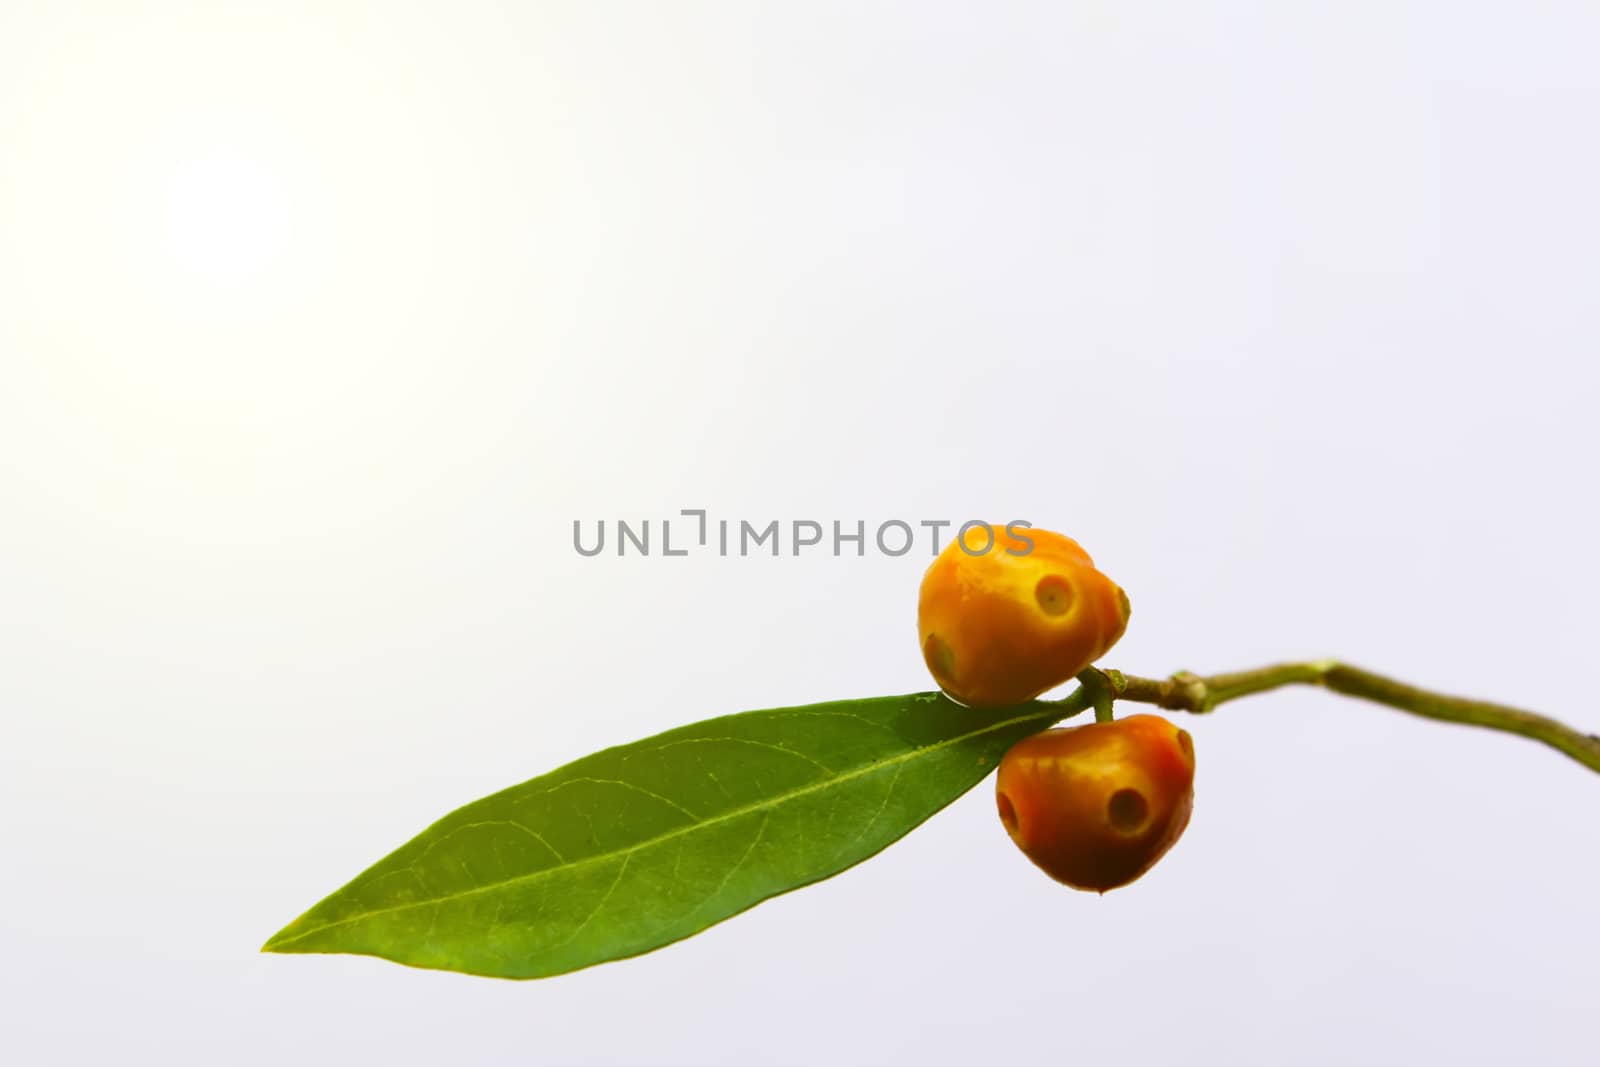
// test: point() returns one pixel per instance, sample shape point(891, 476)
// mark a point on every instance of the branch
point(1191, 692)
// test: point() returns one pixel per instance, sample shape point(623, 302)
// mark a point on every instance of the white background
point(320, 324)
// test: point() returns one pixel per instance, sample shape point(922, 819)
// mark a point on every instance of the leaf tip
point(282, 940)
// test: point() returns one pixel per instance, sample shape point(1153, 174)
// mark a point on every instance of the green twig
point(1191, 692)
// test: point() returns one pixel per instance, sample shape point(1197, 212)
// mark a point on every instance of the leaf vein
point(622, 869)
point(882, 805)
point(668, 801)
point(747, 741)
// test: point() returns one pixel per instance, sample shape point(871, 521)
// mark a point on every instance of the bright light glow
point(227, 217)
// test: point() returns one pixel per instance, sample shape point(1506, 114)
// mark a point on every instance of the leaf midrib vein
point(767, 804)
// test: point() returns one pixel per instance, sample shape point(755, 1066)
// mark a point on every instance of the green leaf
point(641, 845)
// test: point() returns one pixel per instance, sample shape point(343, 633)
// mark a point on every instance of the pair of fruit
point(1092, 806)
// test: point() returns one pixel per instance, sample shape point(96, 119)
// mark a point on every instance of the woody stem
point(1186, 691)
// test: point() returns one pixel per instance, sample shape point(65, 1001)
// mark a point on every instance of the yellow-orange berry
point(1096, 806)
point(1004, 616)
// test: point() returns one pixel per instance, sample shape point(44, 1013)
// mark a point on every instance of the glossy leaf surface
point(641, 845)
